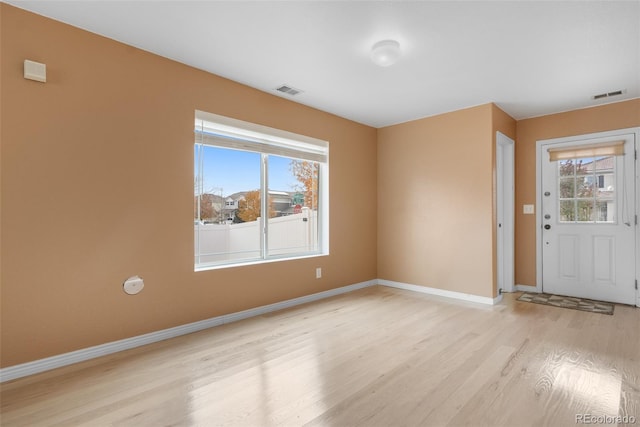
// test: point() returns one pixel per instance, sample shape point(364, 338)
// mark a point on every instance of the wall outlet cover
point(133, 285)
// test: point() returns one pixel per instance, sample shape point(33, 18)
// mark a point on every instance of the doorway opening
point(505, 205)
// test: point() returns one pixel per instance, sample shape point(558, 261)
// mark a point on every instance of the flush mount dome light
point(385, 52)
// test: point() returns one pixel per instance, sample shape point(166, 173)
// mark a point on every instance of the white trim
point(207, 267)
point(58, 361)
point(252, 131)
point(527, 288)
point(538, 217)
point(441, 292)
point(505, 229)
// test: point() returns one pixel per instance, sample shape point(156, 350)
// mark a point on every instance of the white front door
point(588, 218)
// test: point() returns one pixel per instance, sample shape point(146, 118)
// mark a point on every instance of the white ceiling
point(529, 57)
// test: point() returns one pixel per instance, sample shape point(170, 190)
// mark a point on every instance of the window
point(586, 189)
point(260, 194)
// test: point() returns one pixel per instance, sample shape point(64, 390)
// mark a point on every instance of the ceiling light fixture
point(385, 52)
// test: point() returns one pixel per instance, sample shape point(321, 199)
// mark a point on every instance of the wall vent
point(288, 90)
point(608, 94)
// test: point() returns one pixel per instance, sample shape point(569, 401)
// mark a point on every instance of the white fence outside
point(222, 243)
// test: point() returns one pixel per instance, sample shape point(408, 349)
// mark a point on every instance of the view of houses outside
point(227, 205)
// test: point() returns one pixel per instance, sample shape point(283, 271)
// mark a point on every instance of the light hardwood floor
point(374, 357)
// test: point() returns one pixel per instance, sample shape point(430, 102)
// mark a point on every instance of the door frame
point(505, 218)
point(539, 218)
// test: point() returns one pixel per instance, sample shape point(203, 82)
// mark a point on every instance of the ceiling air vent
point(608, 94)
point(288, 90)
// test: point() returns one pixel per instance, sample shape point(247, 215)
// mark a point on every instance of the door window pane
point(566, 168)
point(584, 210)
point(584, 166)
point(567, 187)
point(605, 163)
point(567, 210)
point(605, 211)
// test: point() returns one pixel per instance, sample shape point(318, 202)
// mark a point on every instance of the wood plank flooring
point(375, 357)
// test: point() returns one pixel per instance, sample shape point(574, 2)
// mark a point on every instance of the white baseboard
point(58, 361)
point(526, 288)
point(441, 292)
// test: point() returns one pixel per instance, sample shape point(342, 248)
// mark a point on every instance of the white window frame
point(225, 132)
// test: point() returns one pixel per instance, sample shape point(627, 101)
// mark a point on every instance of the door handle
point(547, 227)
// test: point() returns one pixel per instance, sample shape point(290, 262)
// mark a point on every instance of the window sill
point(256, 262)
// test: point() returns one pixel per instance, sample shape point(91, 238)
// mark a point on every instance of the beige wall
point(96, 175)
point(436, 183)
point(597, 119)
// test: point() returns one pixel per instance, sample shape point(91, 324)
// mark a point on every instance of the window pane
point(585, 186)
point(567, 211)
point(604, 163)
point(567, 187)
point(293, 200)
point(605, 211)
point(227, 186)
point(584, 211)
point(606, 183)
point(584, 166)
point(566, 168)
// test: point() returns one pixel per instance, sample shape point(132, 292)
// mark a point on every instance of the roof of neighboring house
point(237, 196)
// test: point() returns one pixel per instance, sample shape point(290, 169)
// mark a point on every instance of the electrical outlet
point(318, 273)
